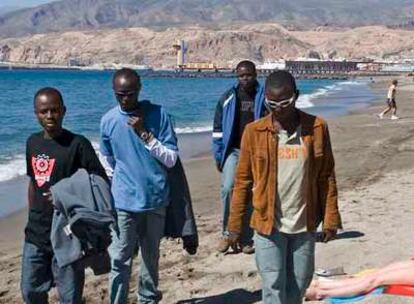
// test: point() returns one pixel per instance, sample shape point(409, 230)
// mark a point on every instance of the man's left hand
point(328, 235)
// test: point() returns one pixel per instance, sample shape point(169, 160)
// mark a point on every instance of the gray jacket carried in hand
point(82, 220)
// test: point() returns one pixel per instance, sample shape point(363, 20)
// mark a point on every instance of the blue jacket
point(224, 120)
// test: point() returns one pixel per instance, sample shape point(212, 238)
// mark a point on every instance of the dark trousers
point(40, 273)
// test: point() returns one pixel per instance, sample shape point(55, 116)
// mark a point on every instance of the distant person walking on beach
point(51, 155)
point(139, 142)
point(391, 104)
point(240, 105)
point(286, 160)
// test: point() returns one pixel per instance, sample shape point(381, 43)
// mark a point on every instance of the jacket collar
point(236, 87)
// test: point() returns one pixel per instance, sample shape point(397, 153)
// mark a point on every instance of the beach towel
point(352, 299)
point(400, 290)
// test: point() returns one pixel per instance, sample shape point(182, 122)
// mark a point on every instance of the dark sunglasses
point(125, 94)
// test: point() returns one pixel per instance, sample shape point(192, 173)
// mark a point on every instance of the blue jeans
point(40, 273)
point(227, 183)
point(136, 230)
point(286, 263)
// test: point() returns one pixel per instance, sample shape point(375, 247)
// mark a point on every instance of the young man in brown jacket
point(286, 160)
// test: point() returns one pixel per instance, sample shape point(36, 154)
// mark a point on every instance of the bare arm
point(401, 273)
point(31, 194)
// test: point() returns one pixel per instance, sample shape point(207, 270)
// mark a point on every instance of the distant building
point(369, 66)
point(272, 65)
point(200, 66)
point(180, 47)
point(398, 67)
point(320, 66)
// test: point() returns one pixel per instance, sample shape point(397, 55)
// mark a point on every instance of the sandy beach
point(375, 172)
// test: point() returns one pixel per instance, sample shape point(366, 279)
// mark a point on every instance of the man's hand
point(137, 123)
point(218, 166)
point(48, 196)
point(328, 235)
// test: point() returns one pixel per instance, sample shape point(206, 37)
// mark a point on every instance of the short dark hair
point(279, 79)
point(128, 73)
point(246, 64)
point(47, 91)
point(395, 81)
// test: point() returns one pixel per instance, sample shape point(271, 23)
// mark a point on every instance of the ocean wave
point(352, 82)
point(305, 100)
point(198, 129)
point(13, 168)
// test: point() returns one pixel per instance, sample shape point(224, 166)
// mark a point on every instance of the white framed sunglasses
point(280, 103)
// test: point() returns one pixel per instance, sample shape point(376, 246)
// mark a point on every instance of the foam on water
point(13, 168)
point(187, 130)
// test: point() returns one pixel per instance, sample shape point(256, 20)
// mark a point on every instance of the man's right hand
point(218, 166)
point(137, 123)
point(48, 196)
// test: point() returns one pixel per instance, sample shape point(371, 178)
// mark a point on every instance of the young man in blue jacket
point(240, 105)
point(139, 142)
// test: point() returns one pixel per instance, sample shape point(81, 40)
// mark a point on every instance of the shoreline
point(196, 146)
point(149, 72)
point(193, 147)
point(375, 174)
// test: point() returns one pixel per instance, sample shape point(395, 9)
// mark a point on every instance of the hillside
point(258, 42)
point(103, 14)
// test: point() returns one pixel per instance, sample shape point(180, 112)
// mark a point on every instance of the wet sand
point(375, 171)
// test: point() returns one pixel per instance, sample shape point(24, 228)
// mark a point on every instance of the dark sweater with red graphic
point(48, 161)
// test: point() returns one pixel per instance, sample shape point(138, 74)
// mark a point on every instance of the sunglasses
point(125, 94)
point(280, 103)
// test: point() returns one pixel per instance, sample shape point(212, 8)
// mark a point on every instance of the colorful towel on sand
point(400, 290)
point(338, 300)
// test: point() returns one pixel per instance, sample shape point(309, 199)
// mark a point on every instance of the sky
point(22, 3)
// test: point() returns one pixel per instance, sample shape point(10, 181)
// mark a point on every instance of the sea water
point(190, 101)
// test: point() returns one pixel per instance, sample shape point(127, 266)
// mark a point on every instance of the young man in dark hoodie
point(239, 106)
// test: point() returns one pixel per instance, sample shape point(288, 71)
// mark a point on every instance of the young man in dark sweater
point(51, 155)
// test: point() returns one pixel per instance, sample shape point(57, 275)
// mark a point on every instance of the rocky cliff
point(258, 42)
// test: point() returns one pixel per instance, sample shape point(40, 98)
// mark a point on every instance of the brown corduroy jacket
point(257, 174)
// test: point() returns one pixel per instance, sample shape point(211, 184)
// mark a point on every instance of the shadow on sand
point(349, 235)
point(343, 235)
point(239, 296)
